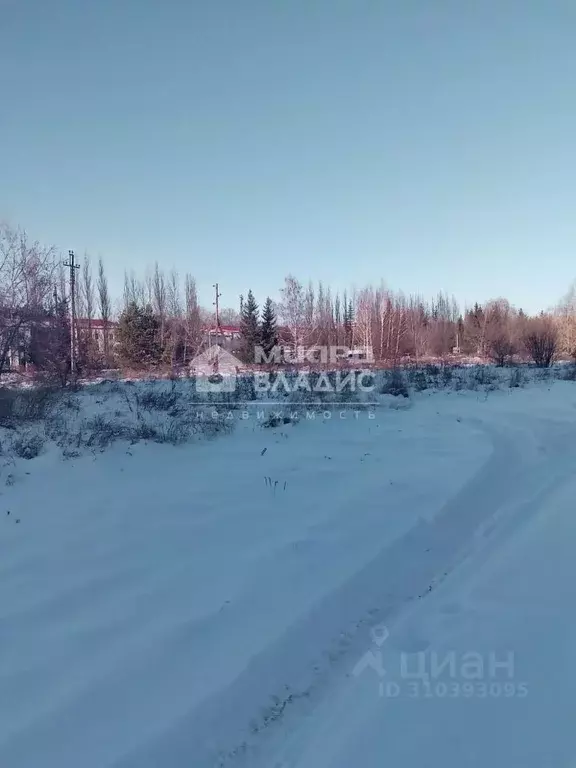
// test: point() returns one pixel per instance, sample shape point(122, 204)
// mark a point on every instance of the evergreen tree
point(249, 328)
point(138, 335)
point(268, 331)
point(475, 330)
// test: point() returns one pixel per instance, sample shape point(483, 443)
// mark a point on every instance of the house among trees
point(99, 331)
point(229, 337)
point(30, 337)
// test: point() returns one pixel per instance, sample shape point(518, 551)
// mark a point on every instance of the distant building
point(226, 336)
point(20, 331)
point(97, 330)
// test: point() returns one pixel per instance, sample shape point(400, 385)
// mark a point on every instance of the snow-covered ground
point(223, 602)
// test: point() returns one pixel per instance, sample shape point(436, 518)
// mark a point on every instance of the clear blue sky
point(431, 143)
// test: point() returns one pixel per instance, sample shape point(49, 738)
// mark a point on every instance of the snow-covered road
point(481, 673)
point(207, 605)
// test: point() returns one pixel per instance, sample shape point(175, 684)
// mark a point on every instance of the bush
point(419, 380)
point(271, 421)
point(25, 405)
point(222, 400)
point(541, 341)
point(109, 387)
point(395, 384)
point(28, 445)
point(102, 433)
point(7, 401)
point(501, 350)
point(483, 376)
point(458, 383)
point(173, 432)
point(158, 399)
point(447, 375)
point(210, 428)
point(245, 388)
point(543, 374)
point(274, 420)
point(56, 427)
point(516, 379)
point(569, 372)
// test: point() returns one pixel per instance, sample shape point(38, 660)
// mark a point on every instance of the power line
point(218, 329)
point(71, 263)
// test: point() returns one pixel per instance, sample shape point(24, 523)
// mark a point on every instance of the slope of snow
point(204, 604)
point(482, 671)
point(482, 674)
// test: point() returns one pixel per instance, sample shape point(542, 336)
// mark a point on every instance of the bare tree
point(500, 349)
point(27, 272)
point(105, 310)
point(365, 304)
point(88, 290)
point(134, 290)
point(443, 325)
point(174, 319)
point(229, 316)
point(159, 298)
point(498, 331)
point(475, 330)
point(87, 344)
point(541, 340)
point(192, 320)
point(337, 319)
point(324, 317)
point(80, 306)
point(293, 310)
point(401, 325)
point(417, 323)
point(566, 321)
point(60, 281)
point(311, 316)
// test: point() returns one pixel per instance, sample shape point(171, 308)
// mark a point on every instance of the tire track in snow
point(303, 659)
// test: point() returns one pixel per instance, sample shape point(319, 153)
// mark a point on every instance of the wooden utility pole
point(217, 305)
point(71, 263)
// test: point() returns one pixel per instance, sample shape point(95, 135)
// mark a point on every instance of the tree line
point(158, 320)
point(394, 327)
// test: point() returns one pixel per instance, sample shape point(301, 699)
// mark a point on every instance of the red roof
point(83, 322)
point(223, 329)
